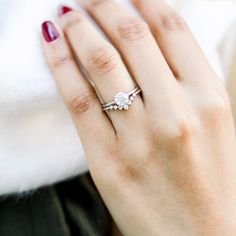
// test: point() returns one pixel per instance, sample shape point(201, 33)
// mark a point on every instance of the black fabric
point(72, 208)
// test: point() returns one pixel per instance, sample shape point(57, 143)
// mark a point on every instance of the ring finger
point(133, 38)
point(103, 63)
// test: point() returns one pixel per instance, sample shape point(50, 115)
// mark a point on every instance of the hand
point(167, 165)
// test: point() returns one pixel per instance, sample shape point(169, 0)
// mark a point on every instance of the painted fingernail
point(49, 31)
point(64, 10)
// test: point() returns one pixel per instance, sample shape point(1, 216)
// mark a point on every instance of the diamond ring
point(122, 100)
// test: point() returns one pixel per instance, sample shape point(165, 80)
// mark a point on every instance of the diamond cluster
point(123, 101)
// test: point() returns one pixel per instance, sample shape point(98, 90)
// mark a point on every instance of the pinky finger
point(92, 123)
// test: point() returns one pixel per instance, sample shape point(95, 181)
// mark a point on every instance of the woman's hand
point(167, 165)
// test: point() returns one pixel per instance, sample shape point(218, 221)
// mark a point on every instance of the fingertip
point(49, 31)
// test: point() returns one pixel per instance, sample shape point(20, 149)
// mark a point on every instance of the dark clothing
point(72, 208)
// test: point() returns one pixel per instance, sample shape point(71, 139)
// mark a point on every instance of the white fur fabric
point(38, 142)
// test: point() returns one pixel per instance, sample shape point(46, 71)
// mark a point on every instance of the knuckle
point(172, 22)
point(122, 171)
point(59, 61)
point(132, 169)
point(103, 61)
point(73, 20)
point(217, 106)
point(133, 29)
point(181, 131)
point(126, 172)
point(81, 103)
point(184, 130)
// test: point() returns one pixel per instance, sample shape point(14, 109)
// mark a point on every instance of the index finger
point(93, 125)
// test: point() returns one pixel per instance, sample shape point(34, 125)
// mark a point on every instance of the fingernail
point(64, 10)
point(49, 31)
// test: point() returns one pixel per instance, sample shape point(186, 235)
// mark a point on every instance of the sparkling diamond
point(115, 107)
point(122, 99)
point(131, 98)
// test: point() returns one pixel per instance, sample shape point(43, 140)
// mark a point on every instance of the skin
point(166, 166)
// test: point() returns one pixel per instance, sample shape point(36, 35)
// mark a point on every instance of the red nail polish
point(49, 31)
point(64, 10)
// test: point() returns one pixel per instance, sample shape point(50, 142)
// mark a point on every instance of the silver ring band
point(122, 100)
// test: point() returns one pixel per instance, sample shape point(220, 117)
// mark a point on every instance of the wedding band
point(122, 100)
